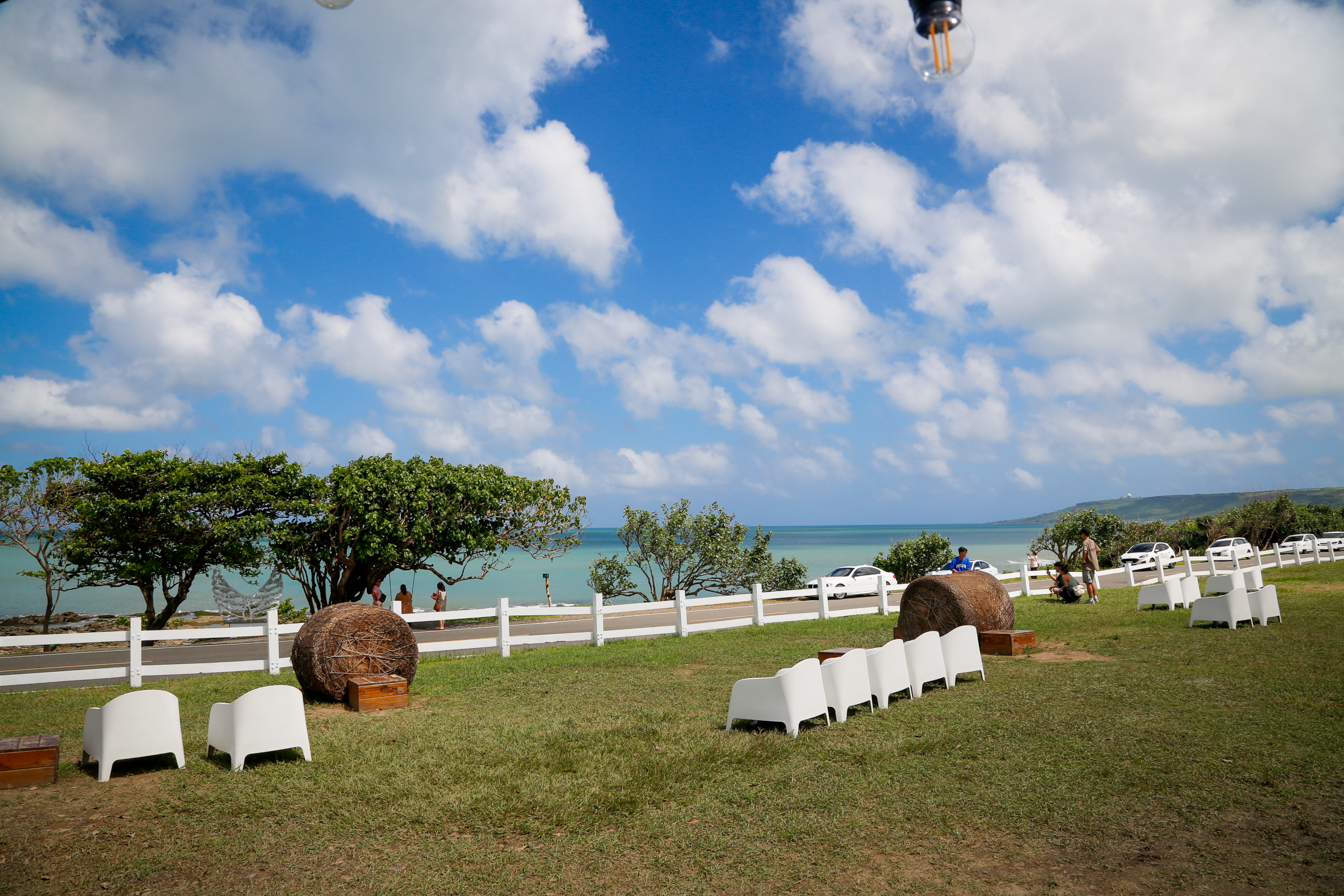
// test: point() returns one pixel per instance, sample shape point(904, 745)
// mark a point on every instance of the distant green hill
point(1175, 507)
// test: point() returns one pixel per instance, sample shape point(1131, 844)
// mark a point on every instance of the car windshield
point(1296, 538)
point(1223, 543)
point(842, 571)
point(1140, 548)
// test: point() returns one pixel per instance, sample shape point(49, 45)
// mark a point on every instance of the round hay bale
point(348, 639)
point(941, 603)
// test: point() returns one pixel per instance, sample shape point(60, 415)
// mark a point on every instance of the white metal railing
point(503, 616)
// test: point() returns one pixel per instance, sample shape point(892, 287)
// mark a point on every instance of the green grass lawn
point(1176, 760)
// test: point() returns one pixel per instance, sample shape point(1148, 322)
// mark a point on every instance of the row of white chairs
point(810, 688)
point(1229, 598)
point(147, 723)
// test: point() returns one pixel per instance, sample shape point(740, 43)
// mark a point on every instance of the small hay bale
point(941, 603)
point(348, 639)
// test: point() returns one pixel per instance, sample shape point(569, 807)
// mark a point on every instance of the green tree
point(695, 553)
point(1065, 538)
point(35, 511)
point(914, 557)
point(376, 515)
point(156, 521)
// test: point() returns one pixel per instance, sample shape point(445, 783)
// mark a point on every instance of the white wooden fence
point(503, 615)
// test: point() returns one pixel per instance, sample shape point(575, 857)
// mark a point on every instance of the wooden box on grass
point(29, 760)
point(366, 692)
point(1007, 643)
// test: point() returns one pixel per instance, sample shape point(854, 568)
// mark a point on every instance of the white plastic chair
point(1255, 579)
point(845, 679)
point(1168, 593)
point(141, 723)
point(790, 696)
point(961, 653)
point(1264, 604)
point(1189, 590)
point(1224, 582)
point(887, 672)
point(924, 661)
point(1231, 608)
point(262, 720)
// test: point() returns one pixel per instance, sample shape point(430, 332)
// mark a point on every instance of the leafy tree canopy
point(155, 521)
point(376, 515)
point(35, 514)
point(914, 557)
point(1065, 538)
point(695, 553)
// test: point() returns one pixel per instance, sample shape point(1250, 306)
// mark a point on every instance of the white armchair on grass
point(790, 696)
point(141, 723)
point(887, 673)
point(924, 661)
point(1189, 590)
point(262, 720)
point(961, 653)
point(1224, 582)
point(845, 679)
point(1264, 604)
point(1254, 578)
point(1231, 608)
point(1168, 593)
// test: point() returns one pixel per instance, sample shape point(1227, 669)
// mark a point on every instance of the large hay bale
point(941, 603)
point(350, 639)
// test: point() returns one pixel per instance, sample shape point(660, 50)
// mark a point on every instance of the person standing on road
point(1091, 565)
point(440, 602)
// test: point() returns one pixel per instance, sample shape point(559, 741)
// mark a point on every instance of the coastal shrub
point(909, 559)
point(697, 553)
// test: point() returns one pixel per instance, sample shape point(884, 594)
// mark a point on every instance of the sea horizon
point(819, 548)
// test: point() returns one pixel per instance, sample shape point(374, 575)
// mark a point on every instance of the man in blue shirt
point(962, 563)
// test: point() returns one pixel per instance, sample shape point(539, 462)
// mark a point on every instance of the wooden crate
point(1007, 643)
point(824, 655)
point(29, 760)
point(366, 692)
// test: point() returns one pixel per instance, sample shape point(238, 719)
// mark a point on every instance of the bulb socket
point(926, 12)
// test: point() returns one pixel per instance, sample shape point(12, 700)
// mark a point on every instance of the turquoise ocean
point(820, 548)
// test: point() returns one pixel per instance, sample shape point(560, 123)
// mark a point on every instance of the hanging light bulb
point(334, 4)
point(941, 44)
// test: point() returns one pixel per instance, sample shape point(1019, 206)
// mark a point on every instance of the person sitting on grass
point(1066, 586)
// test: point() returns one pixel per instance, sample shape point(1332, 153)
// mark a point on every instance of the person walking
point(1091, 565)
point(440, 602)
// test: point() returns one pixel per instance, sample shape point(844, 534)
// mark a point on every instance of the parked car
point(1300, 544)
point(1149, 554)
point(977, 565)
point(845, 581)
point(1226, 548)
point(1332, 540)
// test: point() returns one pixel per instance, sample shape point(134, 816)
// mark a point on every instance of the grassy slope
point(1176, 507)
point(1192, 760)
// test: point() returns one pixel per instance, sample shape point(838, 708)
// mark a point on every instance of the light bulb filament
point(947, 46)
point(933, 39)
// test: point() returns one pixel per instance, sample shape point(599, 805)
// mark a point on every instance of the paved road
point(233, 650)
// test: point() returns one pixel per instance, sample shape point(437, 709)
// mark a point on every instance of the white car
point(846, 581)
point(977, 565)
point(1299, 544)
point(1226, 548)
point(1149, 554)
point(1332, 540)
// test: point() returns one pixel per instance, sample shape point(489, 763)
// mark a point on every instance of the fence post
point(757, 605)
point(503, 626)
point(1278, 556)
point(599, 637)
point(823, 602)
point(1026, 581)
point(681, 613)
point(1236, 561)
point(134, 663)
point(1161, 573)
point(1317, 548)
point(1189, 567)
point(882, 606)
point(1332, 552)
point(273, 641)
point(1129, 574)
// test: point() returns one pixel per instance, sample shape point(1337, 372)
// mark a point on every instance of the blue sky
point(729, 251)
